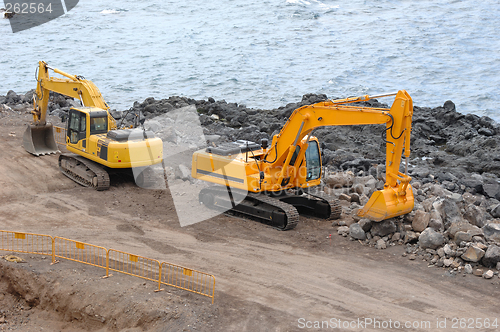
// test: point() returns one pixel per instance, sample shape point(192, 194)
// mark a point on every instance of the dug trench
point(265, 279)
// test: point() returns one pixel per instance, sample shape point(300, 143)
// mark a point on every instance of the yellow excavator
point(274, 183)
point(92, 137)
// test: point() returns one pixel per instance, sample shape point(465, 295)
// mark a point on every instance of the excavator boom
point(38, 139)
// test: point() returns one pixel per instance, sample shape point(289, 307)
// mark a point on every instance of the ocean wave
point(112, 11)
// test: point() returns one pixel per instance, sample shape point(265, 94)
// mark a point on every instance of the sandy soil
point(266, 280)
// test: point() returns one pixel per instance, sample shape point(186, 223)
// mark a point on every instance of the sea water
point(265, 54)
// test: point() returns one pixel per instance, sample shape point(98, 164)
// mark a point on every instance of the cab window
point(99, 125)
point(76, 126)
point(313, 161)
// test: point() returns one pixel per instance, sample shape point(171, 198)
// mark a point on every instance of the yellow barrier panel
point(80, 252)
point(26, 242)
point(114, 260)
point(142, 267)
point(187, 279)
point(60, 135)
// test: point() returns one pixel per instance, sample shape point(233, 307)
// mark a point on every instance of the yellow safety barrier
point(188, 279)
point(26, 242)
point(60, 135)
point(79, 252)
point(142, 267)
point(111, 260)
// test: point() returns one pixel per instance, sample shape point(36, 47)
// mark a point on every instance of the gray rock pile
point(456, 231)
point(58, 105)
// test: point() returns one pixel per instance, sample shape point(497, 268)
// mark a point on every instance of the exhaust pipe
point(39, 140)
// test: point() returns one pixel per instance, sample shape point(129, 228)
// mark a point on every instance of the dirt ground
point(266, 280)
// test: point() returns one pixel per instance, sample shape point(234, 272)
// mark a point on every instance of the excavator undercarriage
point(278, 211)
point(84, 171)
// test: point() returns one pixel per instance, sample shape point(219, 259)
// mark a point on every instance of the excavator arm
point(397, 196)
point(38, 138)
point(72, 86)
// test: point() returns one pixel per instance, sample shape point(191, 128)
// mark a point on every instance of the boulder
point(450, 212)
point(343, 230)
point(463, 226)
point(448, 251)
point(436, 222)
point(447, 262)
point(420, 221)
point(429, 238)
point(495, 211)
point(366, 224)
point(420, 172)
point(383, 228)
point(492, 189)
point(427, 204)
point(473, 254)
point(410, 237)
point(182, 172)
point(339, 179)
point(488, 274)
point(492, 256)
point(355, 198)
point(462, 236)
point(344, 197)
point(476, 184)
point(357, 232)
point(380, 244)
point(492, 231)
point(468, 268)
point(475, 215)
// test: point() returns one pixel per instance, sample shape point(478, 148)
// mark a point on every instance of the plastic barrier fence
point(80, 252)
point(133, 265)
point(111, 260)
point(188, 279)
point(26, 242)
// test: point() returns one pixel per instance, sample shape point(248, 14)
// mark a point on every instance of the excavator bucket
point(386, 203)
point(39, 140)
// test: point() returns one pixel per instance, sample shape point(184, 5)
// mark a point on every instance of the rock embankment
point(454, 163)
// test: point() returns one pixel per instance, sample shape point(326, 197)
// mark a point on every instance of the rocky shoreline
point(454, 163)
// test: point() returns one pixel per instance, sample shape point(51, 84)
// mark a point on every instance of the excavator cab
point(39, 139)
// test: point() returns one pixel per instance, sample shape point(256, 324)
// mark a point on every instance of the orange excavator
point(274, 183)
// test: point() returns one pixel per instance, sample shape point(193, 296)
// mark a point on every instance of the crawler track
point(335, 208)
point(84, 171)
point(281, 212)
point(268, 210)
